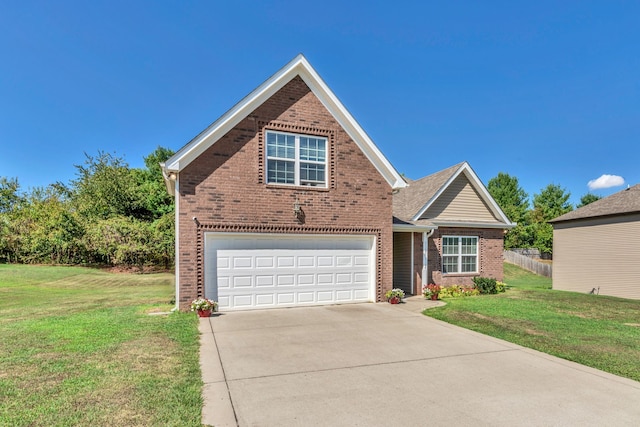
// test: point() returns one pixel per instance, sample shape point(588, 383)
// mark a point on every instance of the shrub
point(486, 285)
point(455, 291)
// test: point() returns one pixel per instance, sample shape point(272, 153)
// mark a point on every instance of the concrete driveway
point(382, 365)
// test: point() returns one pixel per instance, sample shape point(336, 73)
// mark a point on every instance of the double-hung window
point(296, 159)
point(459, 254)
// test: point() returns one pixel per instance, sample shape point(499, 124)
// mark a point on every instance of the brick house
point(284, 201)
point(447, 230)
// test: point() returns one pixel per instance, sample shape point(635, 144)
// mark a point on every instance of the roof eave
point(299, 66)
point(477, 184)
point(413, 227)
point(471, 224)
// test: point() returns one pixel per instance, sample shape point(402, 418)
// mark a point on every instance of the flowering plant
point(204, 304)
point(430, 290)
point(395, 293)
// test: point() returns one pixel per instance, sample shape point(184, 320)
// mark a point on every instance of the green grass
point(78, 347)
point(594, 330)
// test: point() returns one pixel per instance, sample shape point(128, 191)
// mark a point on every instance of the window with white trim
point(294, 159)
point(459, 254)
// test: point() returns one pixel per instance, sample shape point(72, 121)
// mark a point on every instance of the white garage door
point(247, 271)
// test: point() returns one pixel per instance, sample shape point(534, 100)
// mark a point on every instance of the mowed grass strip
point(594, 330)
point(78, 347)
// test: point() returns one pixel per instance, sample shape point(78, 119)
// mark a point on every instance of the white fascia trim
point(485, 194)
point(169, 183)
point(407, 228)
point(351, 126)
point(298, 66)
point(470, 224)
point(176, 206)
point(478, 185)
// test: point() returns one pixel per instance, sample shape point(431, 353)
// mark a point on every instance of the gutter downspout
point(425, 255)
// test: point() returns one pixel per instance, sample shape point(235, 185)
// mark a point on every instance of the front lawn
point(594, 330)
point(78, 347)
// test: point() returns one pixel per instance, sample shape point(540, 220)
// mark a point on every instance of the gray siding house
point(598, 246)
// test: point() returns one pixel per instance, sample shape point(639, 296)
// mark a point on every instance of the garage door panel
point(361, 261)
point(360, 278)
point(242, 262)
point(223, 262)
point(223, 283)
point(306, 279)
point(244, 272)
point(325, 261)
point(306, 297)
point(343, 278)
point(265, 299)
point(286, 261)
point(306, 261)
point(265, 262)
point(286, 280)
point(242, 282)
point(264, 281)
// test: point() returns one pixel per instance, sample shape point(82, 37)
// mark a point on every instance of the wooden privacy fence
point(527, 263)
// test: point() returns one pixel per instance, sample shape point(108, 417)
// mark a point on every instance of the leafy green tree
point(105, 187)
point(550, 203)
point(511, 198)
point(43, 229)
point(9, 193)
point(10, 199)
point(151, 189)
point(514, 202)
point(120, 240)
point(588, 198)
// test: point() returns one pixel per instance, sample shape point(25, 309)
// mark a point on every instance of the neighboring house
point(597, 247)
point(285, 201)
point(447, 230)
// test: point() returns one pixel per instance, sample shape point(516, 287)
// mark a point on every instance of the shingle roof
point(408, 201)
point(622, 202)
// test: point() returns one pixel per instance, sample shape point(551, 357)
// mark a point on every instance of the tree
point(105, 188)
point(151, 189)
point(514, 202)
point(588, 198)
point(550, 203)
point(511, 198)
point(9, 195)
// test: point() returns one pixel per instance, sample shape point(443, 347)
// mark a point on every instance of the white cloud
point(605, 181)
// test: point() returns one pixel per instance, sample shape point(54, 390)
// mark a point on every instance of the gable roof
point(623, 202)
point(299, 66)
point(409, 204)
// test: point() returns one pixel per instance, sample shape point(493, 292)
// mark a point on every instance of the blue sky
point(546, 91)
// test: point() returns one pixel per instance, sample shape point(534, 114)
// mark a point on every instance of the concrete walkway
point(384, 365)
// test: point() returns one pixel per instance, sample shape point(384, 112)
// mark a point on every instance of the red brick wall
point(224, 188)
point(490, 256)
point(490, 243)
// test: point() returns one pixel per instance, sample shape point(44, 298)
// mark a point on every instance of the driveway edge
point(217, 408)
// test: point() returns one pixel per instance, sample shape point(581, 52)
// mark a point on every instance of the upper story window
point(459, 254)
point(296, 159)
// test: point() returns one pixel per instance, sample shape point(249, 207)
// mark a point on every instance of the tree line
point(110, 214)
point(533, 229)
